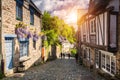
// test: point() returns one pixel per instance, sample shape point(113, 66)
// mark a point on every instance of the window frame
point(88, 54)
point(32, 11)
point(19, 10)
point(23, 43)
point(92, 26)
point(108, 69)
point(34, 44)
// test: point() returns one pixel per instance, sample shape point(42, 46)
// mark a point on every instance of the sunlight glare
point(72, 17)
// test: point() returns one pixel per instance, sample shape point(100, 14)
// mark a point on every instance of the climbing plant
point(22, 32)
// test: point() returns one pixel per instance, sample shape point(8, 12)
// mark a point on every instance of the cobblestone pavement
point(60, 69)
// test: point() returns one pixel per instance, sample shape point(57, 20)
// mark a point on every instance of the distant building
point(99, 37)
point(66, 45)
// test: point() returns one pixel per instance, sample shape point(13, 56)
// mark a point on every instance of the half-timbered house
point(100, 36)
point(19, 35)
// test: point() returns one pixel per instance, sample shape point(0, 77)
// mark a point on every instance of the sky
point(64, 9)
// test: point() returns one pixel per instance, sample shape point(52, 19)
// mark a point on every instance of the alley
point(60, 69)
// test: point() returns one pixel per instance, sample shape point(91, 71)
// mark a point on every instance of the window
point(19, 10)
point(113, 65)
point(92, 26)
point(97, 58)
point(103, 61)
point(88, 54)
point(34, 44)
point(31, 15)
point(108, 64)
point(85, 56)
point(23, 49)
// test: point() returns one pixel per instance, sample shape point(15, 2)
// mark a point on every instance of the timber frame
point(98, 37)
point(103, 47)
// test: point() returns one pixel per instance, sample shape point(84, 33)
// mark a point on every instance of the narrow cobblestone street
point(60, 69)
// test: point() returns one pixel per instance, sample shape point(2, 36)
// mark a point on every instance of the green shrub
point(73, 51)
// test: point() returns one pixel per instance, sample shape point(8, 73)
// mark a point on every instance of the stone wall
point(0, 36)
point(87, 62)
point(118, 53)
point(8, 27)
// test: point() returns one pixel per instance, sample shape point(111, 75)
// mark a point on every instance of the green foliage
point(46, 43)
point(53, 27)
point(73, 51)
point(1, 76)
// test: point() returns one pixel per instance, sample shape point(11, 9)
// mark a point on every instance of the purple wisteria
point(22, 32)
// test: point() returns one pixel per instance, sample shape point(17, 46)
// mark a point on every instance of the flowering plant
point(35, 37)
point(22, 32)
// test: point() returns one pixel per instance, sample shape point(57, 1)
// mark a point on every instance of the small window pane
point(19, 11)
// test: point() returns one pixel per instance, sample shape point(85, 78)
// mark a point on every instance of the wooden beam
point(95, 46)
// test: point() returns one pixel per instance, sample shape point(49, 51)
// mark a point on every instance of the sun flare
point(72, 17)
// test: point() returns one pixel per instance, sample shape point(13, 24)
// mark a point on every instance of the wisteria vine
point(22, 32)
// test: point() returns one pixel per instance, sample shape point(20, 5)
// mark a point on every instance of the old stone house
point(99, 33)
point(20, 47)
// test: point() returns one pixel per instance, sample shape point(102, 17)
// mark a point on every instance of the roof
point(97, 5)
point(34, 6)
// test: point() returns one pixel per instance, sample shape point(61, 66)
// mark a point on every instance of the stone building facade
point(100, 36)
point(19, 53)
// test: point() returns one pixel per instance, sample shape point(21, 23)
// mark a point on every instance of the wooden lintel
point(95, 46)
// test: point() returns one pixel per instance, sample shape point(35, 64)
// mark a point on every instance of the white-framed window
point(113, 65)
point(97, 58)
point(92, 26)
point(103, 60)
point(108, 63)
